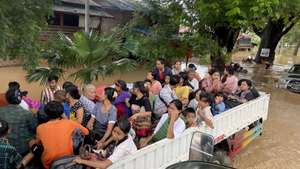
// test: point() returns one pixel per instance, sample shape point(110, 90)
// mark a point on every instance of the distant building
point(244, 42)
point(69, 16)
point(121, 10)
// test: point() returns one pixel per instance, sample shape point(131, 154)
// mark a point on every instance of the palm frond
point(42, 73)
point(89, 74)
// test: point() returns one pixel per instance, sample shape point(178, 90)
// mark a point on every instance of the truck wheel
point(221, 157)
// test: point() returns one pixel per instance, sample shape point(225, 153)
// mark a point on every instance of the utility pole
point(87, 16)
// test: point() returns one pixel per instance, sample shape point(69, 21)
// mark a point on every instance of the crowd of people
point(114, 122)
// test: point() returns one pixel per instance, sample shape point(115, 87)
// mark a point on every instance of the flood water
point(277, 148)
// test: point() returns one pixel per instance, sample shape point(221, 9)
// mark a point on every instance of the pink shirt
point(155, 88)
point(211, 86)
point(231, 84)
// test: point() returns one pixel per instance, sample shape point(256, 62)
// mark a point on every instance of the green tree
point(215, 24)
point(274, 24)
point(153, 33)
point(91, 55)
point(21, 23)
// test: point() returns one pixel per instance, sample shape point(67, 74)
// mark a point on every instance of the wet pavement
point(277, 148)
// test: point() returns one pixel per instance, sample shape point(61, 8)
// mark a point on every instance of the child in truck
point(204, 110)
point(218, 105)
point(190, 117)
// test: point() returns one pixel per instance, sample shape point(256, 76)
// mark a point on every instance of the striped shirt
point(48, 94)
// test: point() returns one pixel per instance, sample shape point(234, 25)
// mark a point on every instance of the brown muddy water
point(277, 148)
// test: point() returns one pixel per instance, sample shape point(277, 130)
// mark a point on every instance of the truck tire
point(221, 157)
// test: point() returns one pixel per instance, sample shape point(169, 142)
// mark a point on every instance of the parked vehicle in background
point(291, 80)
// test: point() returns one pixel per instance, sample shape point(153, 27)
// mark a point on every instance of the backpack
point(65, 163)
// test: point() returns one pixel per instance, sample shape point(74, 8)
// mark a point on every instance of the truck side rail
point(169, 151)
point(237, 118)
point(159, 155)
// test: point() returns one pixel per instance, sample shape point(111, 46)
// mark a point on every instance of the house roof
point(81, 2)
point(125, 5)
point(93, 12)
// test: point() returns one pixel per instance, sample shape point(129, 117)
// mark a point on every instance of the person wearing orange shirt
point(56, 134)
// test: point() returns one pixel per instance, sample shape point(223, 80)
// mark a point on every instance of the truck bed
point(169, 151)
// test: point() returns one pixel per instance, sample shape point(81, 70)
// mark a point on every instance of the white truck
point(233, 130)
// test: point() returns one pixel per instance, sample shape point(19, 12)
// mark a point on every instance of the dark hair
point(123, 85)
point(205, 97)
point(249, 82)
point(219, 94)
point(189, 110)
point(162, 61)
point(140, 85)
point(3, 128)
point(52, 77)
point(13, 96)
point(67, 84)
point(177, 103)
point(184, 76)
point(14, 85)
point(54, 109)
point(124, 125)
point(192, 95)
point(192, 67)
point(73, 92)
point(230, 70)
point(109, 92)
point(174, 80)
point(147, 80)
point(212, 71)
point(152, 73)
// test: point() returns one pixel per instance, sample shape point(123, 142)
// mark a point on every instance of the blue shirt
point(67, 109)
point(218, 108)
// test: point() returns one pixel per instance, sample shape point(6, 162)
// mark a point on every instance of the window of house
point(71, 20)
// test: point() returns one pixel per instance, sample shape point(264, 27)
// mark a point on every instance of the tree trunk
point(226, 38)
point(296, 48)
point(270, 37)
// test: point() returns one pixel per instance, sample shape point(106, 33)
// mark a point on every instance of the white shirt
point(125, 149)
point(179, 125)
point(193, 104)
point(195, 84)
point(168, 95)
point(24, 105)
point(207, 113)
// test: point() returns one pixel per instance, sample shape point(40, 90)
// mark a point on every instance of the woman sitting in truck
point(117, 147)
point(246, 92)
point(212, 82)
point(170, 125)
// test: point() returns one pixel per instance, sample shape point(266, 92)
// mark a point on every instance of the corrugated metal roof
point(81, 2)
point(80, 11)
point(126, 5)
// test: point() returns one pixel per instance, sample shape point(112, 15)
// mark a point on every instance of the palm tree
point(92, 55)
